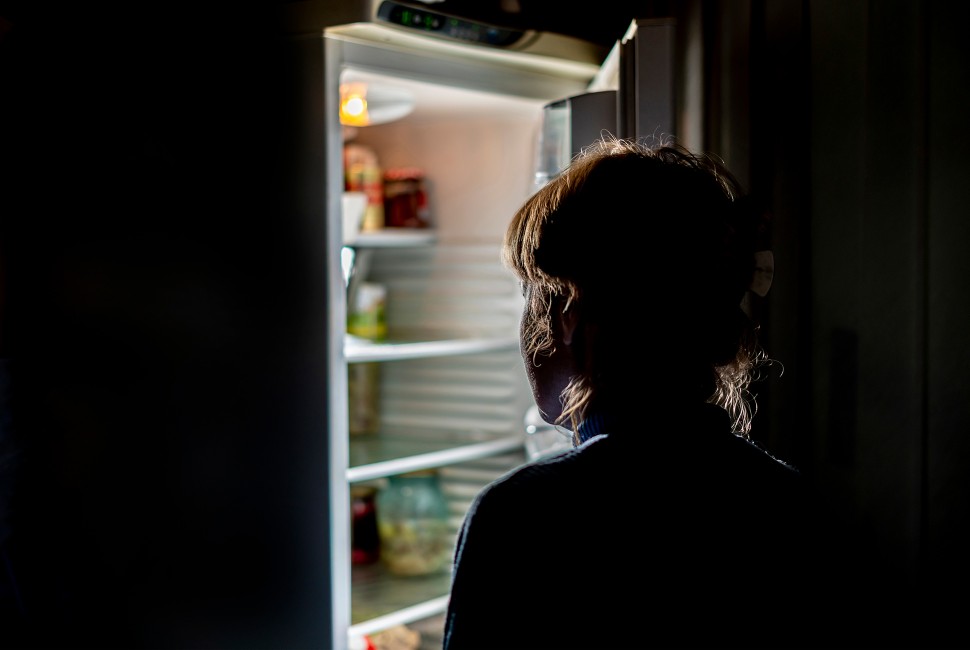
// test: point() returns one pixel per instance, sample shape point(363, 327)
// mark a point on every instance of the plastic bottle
point(366, 319)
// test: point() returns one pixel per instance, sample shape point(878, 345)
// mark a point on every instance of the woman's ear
point(568, 321)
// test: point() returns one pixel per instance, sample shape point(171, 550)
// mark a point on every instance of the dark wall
point(849, 118)
point(164, 333)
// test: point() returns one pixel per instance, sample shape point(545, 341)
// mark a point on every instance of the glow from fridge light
point(353, 105)
point(366, 104)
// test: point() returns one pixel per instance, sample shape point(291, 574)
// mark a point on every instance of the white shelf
point(401, 617)
point(436, 458)
point(357, 350)
point(393, 238)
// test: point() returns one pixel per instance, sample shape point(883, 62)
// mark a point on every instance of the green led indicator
point(405, 17)
point(428, 21)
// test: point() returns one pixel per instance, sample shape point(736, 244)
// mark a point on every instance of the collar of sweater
point(596, 423)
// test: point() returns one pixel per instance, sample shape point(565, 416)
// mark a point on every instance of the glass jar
point(412, 518)
point(405, 200)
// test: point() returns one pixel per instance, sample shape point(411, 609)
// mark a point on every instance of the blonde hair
point(625, 217)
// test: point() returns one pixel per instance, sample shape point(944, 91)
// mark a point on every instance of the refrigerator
point(425, 378)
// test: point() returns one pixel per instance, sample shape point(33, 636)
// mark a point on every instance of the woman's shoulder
point(549, 480)
point(540, 472)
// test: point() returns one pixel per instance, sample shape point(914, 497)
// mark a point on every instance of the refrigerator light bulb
point(365, 104)
point(353, 106)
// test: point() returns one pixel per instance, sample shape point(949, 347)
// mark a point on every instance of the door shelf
point(358, 350)
point(377, 456)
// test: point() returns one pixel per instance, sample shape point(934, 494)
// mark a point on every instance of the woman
point(665, 524)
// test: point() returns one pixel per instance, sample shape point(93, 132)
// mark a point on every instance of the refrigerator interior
point(477, 153)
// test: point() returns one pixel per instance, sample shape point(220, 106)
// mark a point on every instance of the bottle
point(367, 311)
point(412, 519)
point(366, 319)
point(363, 173)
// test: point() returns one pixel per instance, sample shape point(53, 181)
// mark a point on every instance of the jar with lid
point(413, 521)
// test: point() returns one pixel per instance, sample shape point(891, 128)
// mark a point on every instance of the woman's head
point(634, 261)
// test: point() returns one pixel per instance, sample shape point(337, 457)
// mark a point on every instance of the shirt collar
point(600, 423)
point(593, 425)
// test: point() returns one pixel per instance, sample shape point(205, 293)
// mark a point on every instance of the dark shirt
point(681, 536)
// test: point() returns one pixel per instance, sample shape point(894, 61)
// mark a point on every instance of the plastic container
point(412, 518)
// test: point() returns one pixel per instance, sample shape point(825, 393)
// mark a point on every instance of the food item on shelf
point(366, 312)
point(405, 199)
point(353, 207)
point(412, 518)
point(366, 319)
point(365, 542)
point(363, 173)
point(399, 637)
point(360, 642)
point(364, 396)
